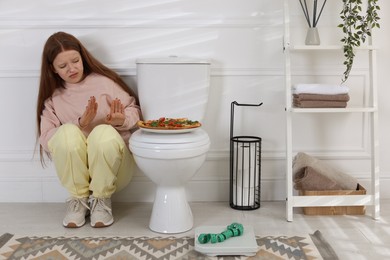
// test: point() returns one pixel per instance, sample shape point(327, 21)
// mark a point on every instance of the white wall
point(244, 41)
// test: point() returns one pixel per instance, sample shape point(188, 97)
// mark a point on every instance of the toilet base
point(171, 212)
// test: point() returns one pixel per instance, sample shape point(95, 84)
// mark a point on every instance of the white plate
point(169, 131)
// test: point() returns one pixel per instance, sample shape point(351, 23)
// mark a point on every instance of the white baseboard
point(48, 189)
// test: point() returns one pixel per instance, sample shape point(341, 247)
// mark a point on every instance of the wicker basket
point(335, 210)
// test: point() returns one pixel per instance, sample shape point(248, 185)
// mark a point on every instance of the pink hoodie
point(68, 104)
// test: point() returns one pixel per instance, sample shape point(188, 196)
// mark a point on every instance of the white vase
point(312, 36)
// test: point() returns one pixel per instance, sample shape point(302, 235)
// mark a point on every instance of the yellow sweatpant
point(101, 163)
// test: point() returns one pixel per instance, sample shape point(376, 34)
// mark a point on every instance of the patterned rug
point(310, 247)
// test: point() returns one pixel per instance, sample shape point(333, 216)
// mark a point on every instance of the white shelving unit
point(372, 197)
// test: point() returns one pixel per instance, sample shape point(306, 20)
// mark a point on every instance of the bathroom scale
point(244, 245)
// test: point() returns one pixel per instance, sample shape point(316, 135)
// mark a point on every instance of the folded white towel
point(320, 89)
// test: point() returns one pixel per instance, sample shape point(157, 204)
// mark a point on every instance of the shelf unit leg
point(289, 211)
point(287, 68)
point(289, 175)
point(374, 137)
point(375, 167)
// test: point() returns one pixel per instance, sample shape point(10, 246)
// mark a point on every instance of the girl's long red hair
point(50, 80)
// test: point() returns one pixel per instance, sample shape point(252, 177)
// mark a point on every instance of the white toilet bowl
point(170, 161)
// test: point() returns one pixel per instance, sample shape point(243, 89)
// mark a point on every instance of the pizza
point(165, 123)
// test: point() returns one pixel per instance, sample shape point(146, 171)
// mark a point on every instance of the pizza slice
point(169, 123)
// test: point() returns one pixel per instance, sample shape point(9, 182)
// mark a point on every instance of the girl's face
point(69, 66)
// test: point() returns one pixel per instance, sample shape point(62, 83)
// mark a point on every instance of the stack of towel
point(312, 174)
point(320, 96)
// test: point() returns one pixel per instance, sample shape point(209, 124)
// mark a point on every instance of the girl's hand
point(116, 117)
point(89, 113)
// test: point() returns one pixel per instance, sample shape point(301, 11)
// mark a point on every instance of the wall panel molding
point(131, 71)
point(215, 71)
point(28, 155)
point(146, 22)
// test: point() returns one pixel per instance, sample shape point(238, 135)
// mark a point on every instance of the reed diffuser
point(312, 18)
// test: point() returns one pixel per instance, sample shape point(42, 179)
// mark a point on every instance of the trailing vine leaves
point(356, 27)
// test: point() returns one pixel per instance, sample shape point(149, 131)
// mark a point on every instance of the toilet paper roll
point(245, 177)
point(244, 196)
point(246, 166)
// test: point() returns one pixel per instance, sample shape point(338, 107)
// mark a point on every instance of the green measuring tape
point(233, 230)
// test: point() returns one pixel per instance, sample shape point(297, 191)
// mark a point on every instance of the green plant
point(357, 27)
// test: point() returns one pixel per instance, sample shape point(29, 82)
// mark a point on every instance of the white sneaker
point(101, 212)
point(77, 209)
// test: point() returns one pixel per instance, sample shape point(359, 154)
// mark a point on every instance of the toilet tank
point(173, 87)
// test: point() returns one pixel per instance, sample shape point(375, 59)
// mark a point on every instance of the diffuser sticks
point(315, 16)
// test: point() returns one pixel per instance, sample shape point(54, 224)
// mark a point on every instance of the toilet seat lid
point(143, 138)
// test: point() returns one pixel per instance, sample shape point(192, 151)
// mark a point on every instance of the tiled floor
point(352, 237)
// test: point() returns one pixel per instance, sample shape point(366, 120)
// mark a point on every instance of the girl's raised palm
point(89, 113)
point(116, 117)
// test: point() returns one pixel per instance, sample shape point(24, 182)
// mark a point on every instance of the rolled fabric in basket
point(311, 180)
point(320, 89)
point(302, 160)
